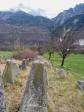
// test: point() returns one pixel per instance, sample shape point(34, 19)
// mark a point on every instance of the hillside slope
point(75, 23)
point(23, 18)
point(11, 36)
point(67, 14)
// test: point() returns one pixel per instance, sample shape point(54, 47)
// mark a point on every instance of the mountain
point(23, 18)
point(11, 36)
point(75, 23)
point(65, 15)
point(29, 30)
point(23, 27)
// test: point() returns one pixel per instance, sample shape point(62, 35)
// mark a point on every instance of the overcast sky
point(47, 7)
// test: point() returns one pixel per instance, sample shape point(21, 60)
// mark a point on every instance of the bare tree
point(65, 44)
point(50, 47)
point(40, 47)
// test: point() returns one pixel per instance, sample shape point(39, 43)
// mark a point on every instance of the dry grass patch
point(64, 93)
point(15, 92)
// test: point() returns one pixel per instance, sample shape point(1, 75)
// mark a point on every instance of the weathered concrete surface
point(80, 84)
point(23, 64)
point(35, 96)
point(3, 102)
point(27, 62)
point(10, 72)
point(61, 73)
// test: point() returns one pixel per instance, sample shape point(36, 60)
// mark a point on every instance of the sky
point(49, 8)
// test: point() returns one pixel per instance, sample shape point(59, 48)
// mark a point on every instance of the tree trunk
point(50, 55)
point(63, 60)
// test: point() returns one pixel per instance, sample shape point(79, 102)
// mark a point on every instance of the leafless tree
point(40, 47)
point(50, 47)
point(65, 44)
point(18, 45)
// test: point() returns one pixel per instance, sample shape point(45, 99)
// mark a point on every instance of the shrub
point(25, 54)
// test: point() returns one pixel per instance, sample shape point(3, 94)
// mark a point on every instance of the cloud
point(29, 10)
point(48, 8)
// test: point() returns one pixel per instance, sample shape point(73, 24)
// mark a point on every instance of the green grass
point(64, 92)
point(6, 53)
point(73, 63)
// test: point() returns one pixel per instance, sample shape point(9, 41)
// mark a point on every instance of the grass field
point(64, 93)
point(6, 53)
point(74, 63)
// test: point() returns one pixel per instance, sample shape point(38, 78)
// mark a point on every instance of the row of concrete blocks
point(35, 95)
point(12, 70)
